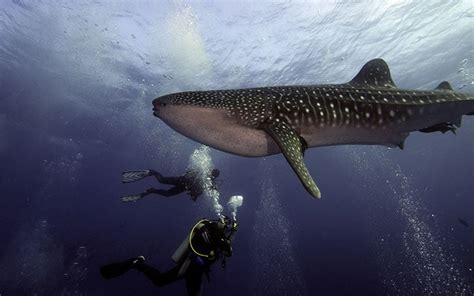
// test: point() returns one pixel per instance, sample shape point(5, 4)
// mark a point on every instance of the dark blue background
point(387, 222)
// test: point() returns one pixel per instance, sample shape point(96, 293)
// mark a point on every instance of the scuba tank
point(189, 252)
point(182, 251)
point(186, 246)
point(183, 254)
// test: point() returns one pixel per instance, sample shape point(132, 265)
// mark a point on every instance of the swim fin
point(133, 176)
point(117, 269)
point(132, 198)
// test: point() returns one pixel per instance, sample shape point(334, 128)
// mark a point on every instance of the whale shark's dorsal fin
point(374, 73)
point(444, 86)
point(292, 146)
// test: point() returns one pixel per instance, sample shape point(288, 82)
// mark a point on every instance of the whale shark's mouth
point(216, 128)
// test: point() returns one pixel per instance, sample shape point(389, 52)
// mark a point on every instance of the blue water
point(76, 84)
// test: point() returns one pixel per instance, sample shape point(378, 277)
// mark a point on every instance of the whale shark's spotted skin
point(369, 109)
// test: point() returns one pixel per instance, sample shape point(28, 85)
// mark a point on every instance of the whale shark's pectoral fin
point(293, 146)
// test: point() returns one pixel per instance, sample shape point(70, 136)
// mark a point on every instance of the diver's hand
point(139, 260)
point(194, 195)
point(223, 263)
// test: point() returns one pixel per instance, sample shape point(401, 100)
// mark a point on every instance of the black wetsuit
point(188, 182)
point(214, 240)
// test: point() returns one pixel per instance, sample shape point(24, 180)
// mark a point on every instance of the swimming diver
point(190, 181)
point(207, 242)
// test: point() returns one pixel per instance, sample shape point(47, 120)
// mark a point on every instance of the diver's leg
point(159, 279)
point(194, 282)
point(166, 180)
point(117, 269)
point(170, 192)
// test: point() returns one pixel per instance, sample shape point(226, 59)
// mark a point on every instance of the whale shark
point(369, 110)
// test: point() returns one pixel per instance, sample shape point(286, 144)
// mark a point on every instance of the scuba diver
point(207, 242)
point(190, 181)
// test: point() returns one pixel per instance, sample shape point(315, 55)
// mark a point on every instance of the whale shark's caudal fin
point(374, 73)
point(292, 146)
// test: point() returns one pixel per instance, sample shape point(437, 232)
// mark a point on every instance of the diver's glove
point(139, 260)
point(234, 225)
point(223, 262)
point(192, 197)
